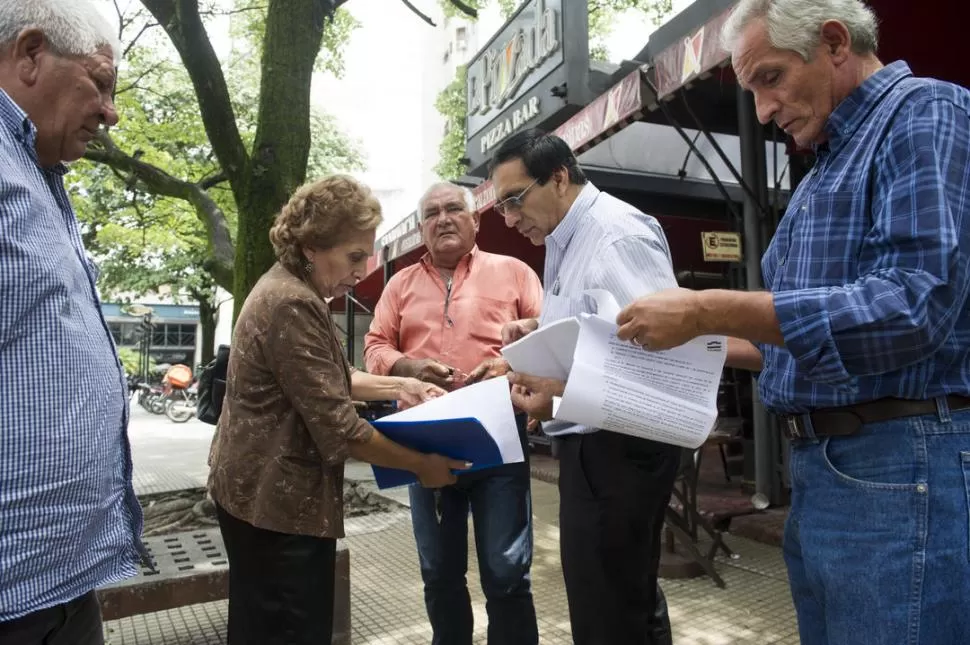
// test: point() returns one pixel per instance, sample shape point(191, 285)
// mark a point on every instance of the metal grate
point(182, 554)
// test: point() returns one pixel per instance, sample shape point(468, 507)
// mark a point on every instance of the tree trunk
point(261, 180)
point(208, 320)
point(277, 165)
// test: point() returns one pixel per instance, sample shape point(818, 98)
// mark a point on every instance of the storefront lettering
point(510, 124)
point(498, 74)
point(575, 133)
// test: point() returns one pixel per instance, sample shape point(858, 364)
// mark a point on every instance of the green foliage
point(131, 360)
point(452, 102)
point(144, 241)
point(507, 7)
point(603, 13)
point(451, 11)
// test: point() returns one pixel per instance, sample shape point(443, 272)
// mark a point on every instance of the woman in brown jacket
point(289, 422)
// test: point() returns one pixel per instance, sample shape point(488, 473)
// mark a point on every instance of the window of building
point(163, 335)
point(461, 38)
point(124, 334)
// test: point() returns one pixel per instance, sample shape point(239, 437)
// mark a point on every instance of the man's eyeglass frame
point(515, 201)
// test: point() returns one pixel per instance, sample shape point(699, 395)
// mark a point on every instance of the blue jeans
point(878, 540)
point(501, 506)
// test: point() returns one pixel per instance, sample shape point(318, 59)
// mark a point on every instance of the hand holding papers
point(475, 423)
point(667, 396)
point(547, 352)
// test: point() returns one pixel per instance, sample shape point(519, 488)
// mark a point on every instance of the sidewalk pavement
point(387, 600)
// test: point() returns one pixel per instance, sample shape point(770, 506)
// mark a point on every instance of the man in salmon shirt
point(441, 320)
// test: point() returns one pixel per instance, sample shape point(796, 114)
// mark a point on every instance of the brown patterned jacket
point(277, 457)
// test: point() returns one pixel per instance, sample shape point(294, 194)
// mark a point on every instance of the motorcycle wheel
point(157, 405)
point(178, 411)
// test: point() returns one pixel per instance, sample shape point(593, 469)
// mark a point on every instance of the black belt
point(846, 420)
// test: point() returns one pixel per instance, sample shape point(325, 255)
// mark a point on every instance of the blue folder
point(464, 439)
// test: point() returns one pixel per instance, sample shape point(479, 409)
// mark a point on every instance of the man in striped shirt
point(69, 519)
point(613, 488)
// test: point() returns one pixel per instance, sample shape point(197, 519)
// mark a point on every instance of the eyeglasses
point(514, 202)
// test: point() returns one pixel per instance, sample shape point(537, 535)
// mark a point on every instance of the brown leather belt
point(846, 420)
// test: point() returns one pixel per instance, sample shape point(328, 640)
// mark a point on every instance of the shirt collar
point(465, 260)
point(851, 112)
point(564, 231)
point(16, 121)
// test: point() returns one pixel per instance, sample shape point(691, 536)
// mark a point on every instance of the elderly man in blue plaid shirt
point(865, 329)
point(69, 519)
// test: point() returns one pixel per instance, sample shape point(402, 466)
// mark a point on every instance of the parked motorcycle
point(180, 393)
point(181, 403)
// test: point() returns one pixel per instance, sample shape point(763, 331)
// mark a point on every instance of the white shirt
point(601, 243)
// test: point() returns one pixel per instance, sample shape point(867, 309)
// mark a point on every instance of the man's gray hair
point(72, 27)
point(465, 193)
point(796, 25)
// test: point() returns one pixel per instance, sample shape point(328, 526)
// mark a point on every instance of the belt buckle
point(796, 429)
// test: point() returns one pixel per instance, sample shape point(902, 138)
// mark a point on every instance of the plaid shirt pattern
point(869, 266)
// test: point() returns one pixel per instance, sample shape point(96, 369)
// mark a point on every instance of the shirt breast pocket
point(824, 238)
point(485, 316)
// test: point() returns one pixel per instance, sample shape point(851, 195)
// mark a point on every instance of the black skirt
point(281, 586)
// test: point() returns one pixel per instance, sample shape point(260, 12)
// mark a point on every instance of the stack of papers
point(668, 396)
point(475, 424)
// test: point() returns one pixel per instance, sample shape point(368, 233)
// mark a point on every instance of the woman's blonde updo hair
point(322, 214)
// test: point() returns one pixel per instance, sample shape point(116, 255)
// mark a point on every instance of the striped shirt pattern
point(69, 519)
point(869, 266)
point(601, 243)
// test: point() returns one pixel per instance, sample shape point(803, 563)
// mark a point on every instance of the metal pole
point(148, 345)
point(388, 265)
point(755, 174)
point(349, 313)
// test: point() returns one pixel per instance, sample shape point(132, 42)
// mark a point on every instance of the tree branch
point(418, 13)
point(159, 182)
point(132, 85)
point(212, 181)
point(183, 24)
point(232, 12)
point(464, 8)
point(133, 41)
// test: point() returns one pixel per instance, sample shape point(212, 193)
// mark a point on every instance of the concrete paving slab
point(387, 598)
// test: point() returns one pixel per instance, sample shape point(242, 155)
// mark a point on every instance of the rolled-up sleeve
point(298, 352)
point(382, 342)
point(914, 283)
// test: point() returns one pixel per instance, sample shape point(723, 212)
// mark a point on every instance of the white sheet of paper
point(667, 396)
point(488, 401)
point(607, 307)
point(546, 352)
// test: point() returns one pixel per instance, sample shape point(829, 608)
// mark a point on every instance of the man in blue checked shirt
point(865, 332)
point(69, 519)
